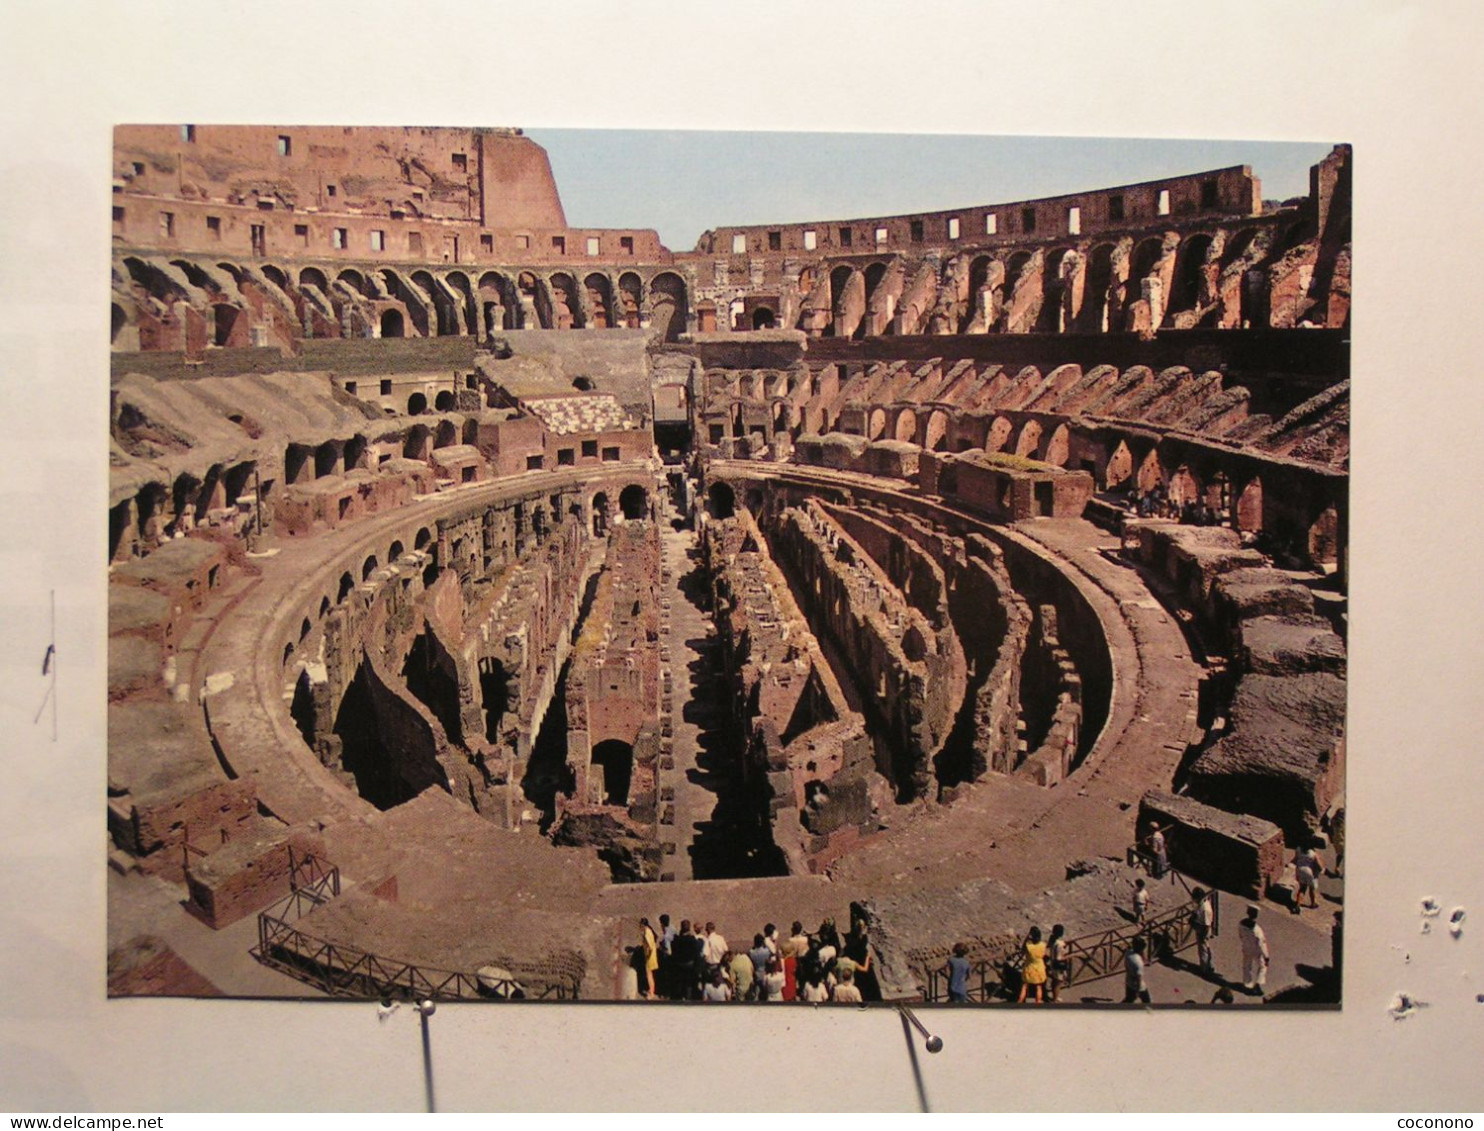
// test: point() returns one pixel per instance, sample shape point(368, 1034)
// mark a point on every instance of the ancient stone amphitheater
point(479, 583)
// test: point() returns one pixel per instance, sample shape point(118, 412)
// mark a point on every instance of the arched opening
point(432, 677)
point(763, 319)
point(1324, 538)
point(616, 759)
point(117, 321)
point(1097, 290)
point(566, 311)
point(935, 439)
point(313, 277)
point(723, 500)
point(633, 501)
point(392, 324)
point(416, 444)
point(670, 305)
point(224, 324)
point(1248, 517)
point(417, 404)
point(342, 591)
point(600, 514)
point(471, 432)
point(1145, 258)
point(874, 273)
point(326, 459)
point(1058, 448)
point(1000, 432)
point(876, 424)
point(423, 537)
point(533, 301)
point(368, 567)
point(355, 452)
point(447, 435)
point(395, 551)
point(600, 300)
point(494, 696)
point(839, 280)
point(978, 277)
point(388, 768)
point(1054, 316)
point(1151, 474)
point(630, 300)
point(1029, 440)
point(445, 310)
point(906, 427)
point(1185, 292)
point(1120, 467)
point(444, 401)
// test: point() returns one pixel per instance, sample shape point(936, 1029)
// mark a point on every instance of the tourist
point(847, 992)
point(770, 937)
point(1141, 900)
point(798, 941)
point(1059, 962)
point(1033, 973)
point(858, 950)
point(1134, 989)
point(739, 969)
point(1255, 955)
point(687, 963)
point(717, 988)
point(1202, 919)
point(774, 981)
point(667, 957)
point(1307, 867)
point(760, 956)
point(714, 947)
point(1159, 854)
point(651, 947)
point(958, 973)
point(815, 990)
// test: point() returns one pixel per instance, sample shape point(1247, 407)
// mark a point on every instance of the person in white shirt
point(1255, 955)
point(715, 948)
point(1202, 919)
point(846, 992)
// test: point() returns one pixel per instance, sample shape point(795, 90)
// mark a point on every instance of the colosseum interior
point(480, 584)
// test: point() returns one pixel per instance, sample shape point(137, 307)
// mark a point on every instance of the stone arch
point(326, 459)
point(876, 424)
point(935, 438)
point(1058, 448)
point(723, 500)
point(393, 325)
point(447, 435)
point(1120, 467)
point(499, 306)
point(445, 310)
point(1054, 316)
point(1000, 431)
point(1184, 485)
point(633, 501)
point(1323, 537)
point(600, 300)
point(671, 310)
point(839, 280)
point(460, 287)
point(117, 321)
point(395, 551)
point(1151, 473)
point(763, 318)
point(630, 299)
point(343, 589)
point(1190, 273)
point(1096, 314)
point(314, 277)
point(616, 758)
point(417, 404)
point(417, 309)
point(423, 537)
point(369, 566)
point(355, 452)
point(599, 510)
point(1029, 440)
point(1247, 514)
point(906, 426)
point(230, 325)
point(416, 445)
point(566, 309)
point(534, 298)
point(445, 401)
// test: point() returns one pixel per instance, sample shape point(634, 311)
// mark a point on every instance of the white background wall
point(1400, 80)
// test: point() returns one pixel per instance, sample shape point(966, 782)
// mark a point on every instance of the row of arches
point(351, 302)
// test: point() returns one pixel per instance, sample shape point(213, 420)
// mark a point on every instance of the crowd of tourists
point(697, 963)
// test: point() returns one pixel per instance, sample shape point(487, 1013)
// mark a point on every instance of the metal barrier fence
point(341, 970)
point(1092, 956)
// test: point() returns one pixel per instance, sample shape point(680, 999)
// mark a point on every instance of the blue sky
point(683, 182)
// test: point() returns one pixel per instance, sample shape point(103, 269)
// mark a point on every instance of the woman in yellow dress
point(1034, 971)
